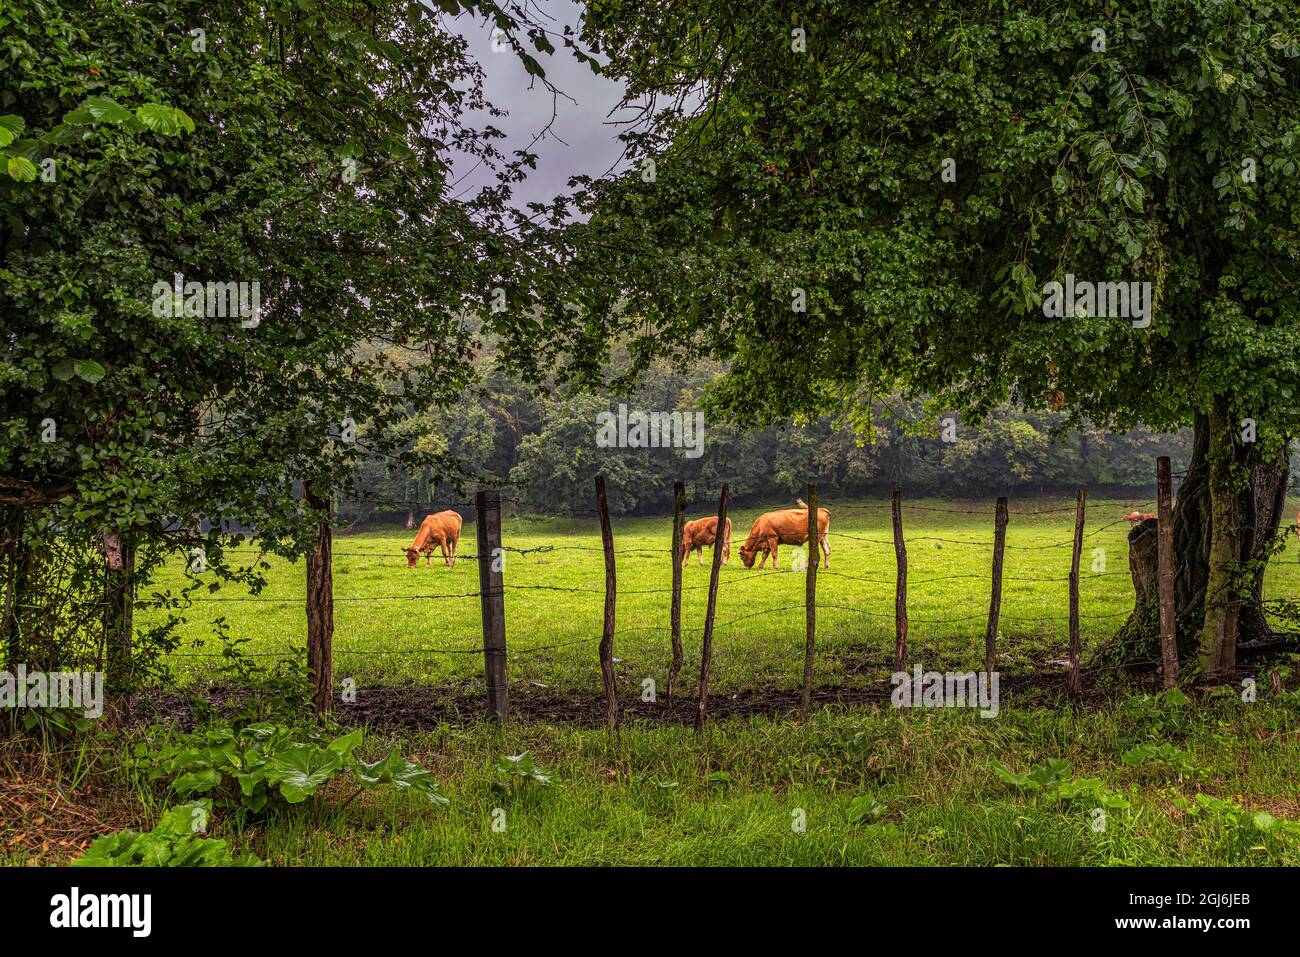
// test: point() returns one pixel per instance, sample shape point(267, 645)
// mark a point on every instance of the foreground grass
point(394, 627)
point(732, 795)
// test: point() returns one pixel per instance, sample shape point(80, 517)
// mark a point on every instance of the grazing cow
point(1135, 517)
point(788, 526)
point(441, 530)
point(701, 532)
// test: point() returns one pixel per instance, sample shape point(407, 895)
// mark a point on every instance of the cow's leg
point(826, 549)
point(699, 553)
point(776, 562)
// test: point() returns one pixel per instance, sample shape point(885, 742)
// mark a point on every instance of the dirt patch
point(423, 708)
point(43, 816)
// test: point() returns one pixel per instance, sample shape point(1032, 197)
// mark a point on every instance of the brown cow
point(440, 530)
point(788, 526)
point(1135, 517)
point(701, 532)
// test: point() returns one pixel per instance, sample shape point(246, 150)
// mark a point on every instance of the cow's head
point(747, 554)
point(412, 557)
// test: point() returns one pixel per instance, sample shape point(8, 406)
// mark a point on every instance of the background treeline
point(542, 444)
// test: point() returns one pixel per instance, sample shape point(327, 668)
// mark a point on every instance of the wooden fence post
point(492, 602)
point(706, 651)
point(810, 600)
point(675, 614)
point(14, 554)
point(1075, 679)
point(1165, 571)
point(995, 601)
point(119, 600)
point(607, 634)
point(320, 606)
point(900, 588)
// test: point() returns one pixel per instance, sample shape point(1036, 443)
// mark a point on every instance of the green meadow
point(1048, 781)
point(422, 626)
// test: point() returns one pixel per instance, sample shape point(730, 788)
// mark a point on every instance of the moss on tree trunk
point(1255, 508)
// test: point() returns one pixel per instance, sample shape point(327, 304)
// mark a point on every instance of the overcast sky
point(581, 140)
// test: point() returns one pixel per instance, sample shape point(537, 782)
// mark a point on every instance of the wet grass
point(394, 626)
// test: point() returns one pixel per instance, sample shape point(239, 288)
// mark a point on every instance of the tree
point(842, 199)
point(244, 200)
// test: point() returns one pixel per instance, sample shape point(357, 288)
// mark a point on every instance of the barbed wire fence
point(499, 660)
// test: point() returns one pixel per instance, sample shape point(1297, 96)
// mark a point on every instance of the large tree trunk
point(1217, 645)
point(1248, 518)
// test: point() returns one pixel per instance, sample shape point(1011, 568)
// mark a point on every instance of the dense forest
point(541, 443)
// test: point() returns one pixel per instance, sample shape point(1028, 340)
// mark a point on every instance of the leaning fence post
point(607, 634)
point(706, 651)
point(1075, 680)
point(810, 599)
point(675, 614)
point(1165, 570)
point(900, 588)
point(492, 601)
point(995, 601)
point(320, 606)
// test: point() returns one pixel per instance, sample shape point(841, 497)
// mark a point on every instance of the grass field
point(393, 627)
point(867, 787)
point(863, 784)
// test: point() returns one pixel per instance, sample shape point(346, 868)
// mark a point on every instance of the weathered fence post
point(119, 601)
point(675, 614)
point(1165, 571)
point(1075, 679)
point(492, 601)
point(607, 633)
point(900, 587)
point(320, 606)
point(810, 600)
point(706, 651)
point(14, 554)
point(995, 600)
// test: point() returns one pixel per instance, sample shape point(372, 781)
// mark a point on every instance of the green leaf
point(10, 127)
point(89, 370)
point(300, 771)
point(400, 773)
point(98, 109)
point(346, 744)
point(21, 169)
point(866, 808)
point(197, 782)
point(166, 120)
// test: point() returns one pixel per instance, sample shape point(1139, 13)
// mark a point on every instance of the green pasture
point(855, 786)
point(394, 626)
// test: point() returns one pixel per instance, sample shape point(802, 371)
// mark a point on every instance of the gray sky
point(581, 140)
